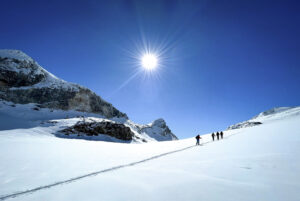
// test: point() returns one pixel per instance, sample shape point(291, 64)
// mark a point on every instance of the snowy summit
point(15, 54)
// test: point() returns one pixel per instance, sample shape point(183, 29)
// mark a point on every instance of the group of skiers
point(213, 135)
point(219, 135)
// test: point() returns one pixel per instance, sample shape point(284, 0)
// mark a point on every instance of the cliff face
point(23, 81)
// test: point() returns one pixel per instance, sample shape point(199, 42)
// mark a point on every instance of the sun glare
point(149, 61)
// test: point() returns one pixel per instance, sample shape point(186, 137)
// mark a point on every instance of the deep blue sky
point(224, 61)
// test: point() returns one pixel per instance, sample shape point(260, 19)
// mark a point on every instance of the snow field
point(256, 163)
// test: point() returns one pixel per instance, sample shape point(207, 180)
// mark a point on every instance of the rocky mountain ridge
point(24, 81)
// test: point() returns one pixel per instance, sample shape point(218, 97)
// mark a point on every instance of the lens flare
point(149, 61)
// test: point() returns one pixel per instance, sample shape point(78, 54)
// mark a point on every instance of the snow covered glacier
point(32, 95)
point(249, 164)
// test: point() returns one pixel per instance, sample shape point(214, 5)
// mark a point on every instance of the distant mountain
point(277, 112)
point(158, 130)
point(24, 81)
point(263, 117)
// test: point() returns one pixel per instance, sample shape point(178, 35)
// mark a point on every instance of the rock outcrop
point(24, 81)
point(110, 128)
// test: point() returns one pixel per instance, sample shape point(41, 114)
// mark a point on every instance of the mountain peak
point(23, 81)
point(15, 54)
point(159, 122)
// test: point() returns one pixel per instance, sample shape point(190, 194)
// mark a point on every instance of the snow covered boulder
point(94, 128)
point(22, 80)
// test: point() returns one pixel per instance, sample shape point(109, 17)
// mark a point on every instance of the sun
point(149, 61)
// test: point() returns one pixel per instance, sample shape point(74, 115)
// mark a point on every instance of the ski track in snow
point(20, 193)
point(13, 195)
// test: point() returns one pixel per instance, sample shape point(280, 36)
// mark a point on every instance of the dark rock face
point(20, 78)
point(23, 81)
point(46, 97)
point(58, 98)
point(116, 130)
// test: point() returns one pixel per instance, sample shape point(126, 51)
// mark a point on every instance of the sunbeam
point(124, 83)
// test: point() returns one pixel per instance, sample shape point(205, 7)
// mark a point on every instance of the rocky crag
point(22, 80)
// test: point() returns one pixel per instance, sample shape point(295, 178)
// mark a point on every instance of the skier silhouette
point(218, 135)
point(221, 134)
point(198, 139)
point(213, 136)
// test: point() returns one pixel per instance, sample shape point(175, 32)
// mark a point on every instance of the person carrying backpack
point(218, 135)
point(198, 139)
point(221, 134)
point(213, 136)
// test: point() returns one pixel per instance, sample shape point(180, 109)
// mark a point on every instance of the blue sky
point(222, 62)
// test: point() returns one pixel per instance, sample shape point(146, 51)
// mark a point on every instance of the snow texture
point(15, 54)
point(253, 163)
point(269, 115)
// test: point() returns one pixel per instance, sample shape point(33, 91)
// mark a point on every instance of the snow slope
point(255, 163)
point(269, 115)
point(27, 116)
point(277, 113)
point(15, 54)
